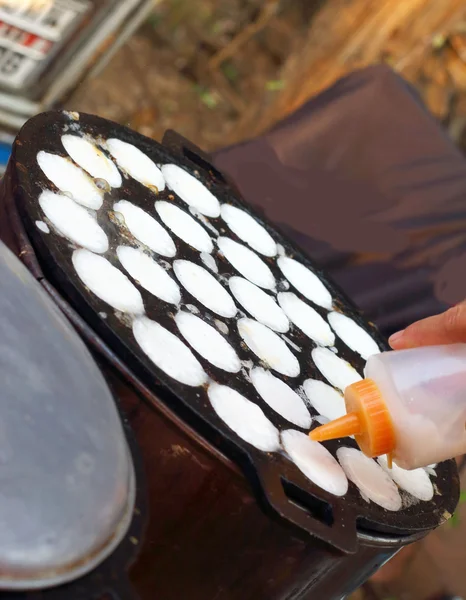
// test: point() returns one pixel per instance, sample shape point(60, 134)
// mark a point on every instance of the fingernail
point(395, 337)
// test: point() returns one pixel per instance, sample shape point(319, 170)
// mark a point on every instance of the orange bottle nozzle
point(368, 419)
point(343, 427)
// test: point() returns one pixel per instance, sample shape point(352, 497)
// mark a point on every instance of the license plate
point(30, 31)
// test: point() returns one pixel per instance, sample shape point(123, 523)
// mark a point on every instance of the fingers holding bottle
point(447, 328)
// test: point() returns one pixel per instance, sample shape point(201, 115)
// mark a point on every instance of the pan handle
point(312, 515)
point(183, 148)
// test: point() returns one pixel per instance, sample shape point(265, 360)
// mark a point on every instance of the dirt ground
point(219, 71)
point(170, 73)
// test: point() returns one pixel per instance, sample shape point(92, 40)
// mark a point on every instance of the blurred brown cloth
point(367, 182)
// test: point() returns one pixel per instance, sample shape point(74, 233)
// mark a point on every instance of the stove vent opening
point(318, 509)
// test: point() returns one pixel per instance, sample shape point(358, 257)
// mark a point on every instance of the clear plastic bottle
point(411, 406)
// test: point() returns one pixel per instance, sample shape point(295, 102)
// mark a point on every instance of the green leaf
point(206, 96)
point(454, 521)
point(154, 19)
point(230, 71)
point(209, 100)
point(389, 60)
point(274, 85)
point(439, 41)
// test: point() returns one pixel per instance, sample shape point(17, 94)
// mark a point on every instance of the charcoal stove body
point(223, 519)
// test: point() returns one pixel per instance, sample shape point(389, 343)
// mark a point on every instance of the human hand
point(447, 328)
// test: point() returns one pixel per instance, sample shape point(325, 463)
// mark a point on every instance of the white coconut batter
point(247, 263)
point(91, 159)
point(205, 288)
point(73, 221)
point(306, 319)
point(353, 335)
point(337, 371)
point(168, 353)
point(221, 326)
point(321, 419)
point(191, 190)
point(416, 482)
point(208, 342)
point(268, 347)
point(249, 230)
point(70, 179)
point(137, 164)
point(305, 281)
point(279, 396)
point(42, 226)
point(325, 399)
point(107, 282)
point(315, 461)
point(430, 470)
point(245, 418)
point(259, 304)
point(204, 220)
point(184, 226)
point(209, 261)
point(150, 275)
point(145, 228)
point(372, 481)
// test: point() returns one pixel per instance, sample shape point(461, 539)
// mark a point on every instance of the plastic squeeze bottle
point(411, 406)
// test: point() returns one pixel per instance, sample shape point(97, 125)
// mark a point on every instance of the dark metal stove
point(224, 520)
